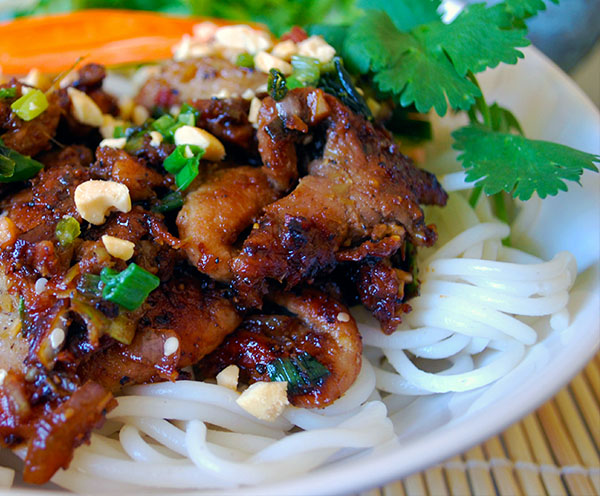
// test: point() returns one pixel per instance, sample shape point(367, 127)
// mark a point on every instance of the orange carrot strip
point(53, 43)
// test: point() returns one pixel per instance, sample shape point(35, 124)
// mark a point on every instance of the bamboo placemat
point(552, 451)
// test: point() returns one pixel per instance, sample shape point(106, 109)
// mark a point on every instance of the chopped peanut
point(228, 377)
point(117, 247)
point(316, 47)
point(139, 115)
point(243, 38)
point(118, 143)
point(265, 400)
point(284, 50)
point(253, 112)
point(109, 123)
point(264, 62)
point(190, 135)
point(94, 199)
point(85, 109)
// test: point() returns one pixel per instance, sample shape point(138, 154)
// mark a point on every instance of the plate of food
point(222, 272)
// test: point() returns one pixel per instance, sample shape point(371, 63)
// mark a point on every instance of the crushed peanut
point(139, 115)
point(243, 38)
point(94, 199)
point(109, 123)
point(118, 143)
point(157, 138)
point(228, 377)
point(117, 247)
point(285, 50)
point(253, 112)
point(264, 62)
point(190, 135)
point(316, 47)
point(265, 400)
point(85, 109)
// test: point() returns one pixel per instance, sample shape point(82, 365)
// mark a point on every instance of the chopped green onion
point(128, 288)
point(172, 201)
point(119, 132)
point(300, 372)
point(90, 285)
point(30, 105)
point(6, 93)
point(183, 167)
point(245, 60)
point(276, 85)
point(187, 118)
point(67, 230)
point(166, 125)
point(306, 70)
point(15, 167)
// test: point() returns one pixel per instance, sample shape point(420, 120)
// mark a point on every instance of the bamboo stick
point(394, 489)
point(518, 450)
point(434, 479)
point(414, 485)
point(563, 449)
point(592, 373)
point(479, 475)
point(543, 456)
point(588, 406)
point(372, 492)
point(501, 468)
point(457, 477)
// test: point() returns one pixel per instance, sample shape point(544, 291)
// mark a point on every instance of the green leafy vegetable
point(7, 93)
point(30, 105)
point(406, 14)
point(300, 372)
point(525, 8)
point(15, 167)
point(277, 85)
point(128, 288)
point(67, 230)
point(506, 162)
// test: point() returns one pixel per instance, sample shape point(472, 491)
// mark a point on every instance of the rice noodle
point(470, 325)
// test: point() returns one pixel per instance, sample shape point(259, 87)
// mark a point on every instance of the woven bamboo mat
point(553, 451)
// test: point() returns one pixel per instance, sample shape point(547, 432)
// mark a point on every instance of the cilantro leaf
point(525, 8)
point(503, 120)
point(520, 166)
point(475, 40)
point(405, 14)
point(405, 65)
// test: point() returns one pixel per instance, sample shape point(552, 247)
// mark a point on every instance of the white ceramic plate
point(434, 428)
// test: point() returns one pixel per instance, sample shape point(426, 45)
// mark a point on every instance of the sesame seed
point(57, 338)
point(343, 317)
point(40, 285)
point(171, 346)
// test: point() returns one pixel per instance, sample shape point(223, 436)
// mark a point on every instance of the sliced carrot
point(53, 43)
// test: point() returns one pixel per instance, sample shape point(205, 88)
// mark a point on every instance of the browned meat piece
point(381, 290)
point(322, 328)
point(227, 119)
point(362, 188)
point(203, 78)
point(51, 193)
point(281, 125)
point(59, 432)
point(29, 137)
point(200, 318)
point(117, 165)
point(215, 214)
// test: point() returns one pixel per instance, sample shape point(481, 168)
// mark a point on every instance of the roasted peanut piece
point(94, 199)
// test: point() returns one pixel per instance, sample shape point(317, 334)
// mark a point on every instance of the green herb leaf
point(525, 8)
point(245, 60)
point(505, 162)
point(336, 81)
point(172, 201)
point(7, 93)
point(503, 120)
point(30, 105)
point(300, 372)
point(405, 14)
point(67, 230)
point(15, 167)
point(128, 288)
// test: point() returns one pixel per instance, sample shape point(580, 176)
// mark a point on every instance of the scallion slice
point(30, 105)
point(277, 85)
point(172, 201)
point(184, 168)
point(6, 93)
point(306, 70)
point(15, 167)
point(67, 230)
point(128, 288)
point(90, 285)
point(300, 372)
point(245, 60)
